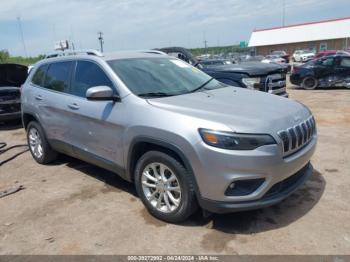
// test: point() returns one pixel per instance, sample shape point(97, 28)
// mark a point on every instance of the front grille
point(298, 136)
point(6, 95)
point(275, 83)
point(10, 108)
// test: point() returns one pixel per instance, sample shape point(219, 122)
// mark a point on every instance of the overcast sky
point(142, 24)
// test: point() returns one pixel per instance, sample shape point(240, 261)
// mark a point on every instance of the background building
point(322, 35)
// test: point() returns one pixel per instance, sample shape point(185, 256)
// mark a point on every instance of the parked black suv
point(12, 76)
point(328, 71)
point(270, 78)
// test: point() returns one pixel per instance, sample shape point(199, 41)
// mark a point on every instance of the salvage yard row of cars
point(188, 134)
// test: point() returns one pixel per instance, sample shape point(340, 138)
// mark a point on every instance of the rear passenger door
point(325, 67)
point(96, 128)
point(52, 82)
point(343, 69)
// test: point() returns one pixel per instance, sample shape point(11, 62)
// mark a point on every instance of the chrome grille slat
point(308, 129)
point(303, 126)
point(297, 136)
point(293, 136)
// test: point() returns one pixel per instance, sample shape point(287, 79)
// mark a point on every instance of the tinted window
point(57, 76)
point(88, 74)
point(39, 76)
point(345, 62)
point(326, 61)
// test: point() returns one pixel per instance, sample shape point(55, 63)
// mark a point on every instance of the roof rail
point(75, 52)
point(152, 51)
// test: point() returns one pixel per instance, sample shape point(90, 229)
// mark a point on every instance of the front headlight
point(252, 82)
point(235, 141)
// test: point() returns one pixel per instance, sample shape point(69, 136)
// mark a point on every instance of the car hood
point(251, 68)
point(13, 75)
point(240, 109)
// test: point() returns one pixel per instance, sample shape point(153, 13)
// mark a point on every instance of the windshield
point(149, 77)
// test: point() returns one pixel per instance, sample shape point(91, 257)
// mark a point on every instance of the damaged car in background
point(12, 76)
point(269, 78)
point(329, 71)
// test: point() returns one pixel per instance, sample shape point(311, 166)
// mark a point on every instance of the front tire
point(165, 187)
point(309, 83)
point(38, 145)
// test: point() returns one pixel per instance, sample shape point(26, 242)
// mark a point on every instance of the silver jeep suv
point(184, 139)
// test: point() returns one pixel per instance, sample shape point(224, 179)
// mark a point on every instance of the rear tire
point(165, 187)
point(38, 145)
point(309, 83)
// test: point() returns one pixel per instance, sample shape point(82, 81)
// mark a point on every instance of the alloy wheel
point(35, 143)
point(161, 187)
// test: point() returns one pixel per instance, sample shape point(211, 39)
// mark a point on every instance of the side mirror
point(101, 93)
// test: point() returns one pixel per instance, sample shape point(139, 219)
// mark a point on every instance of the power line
point(100, 38)
point(22, 36)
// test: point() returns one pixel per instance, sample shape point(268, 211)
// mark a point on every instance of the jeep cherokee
point(183, 138)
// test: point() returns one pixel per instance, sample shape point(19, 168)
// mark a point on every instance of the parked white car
point(303, 55)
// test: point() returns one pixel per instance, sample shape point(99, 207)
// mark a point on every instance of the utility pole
point(284, 13)
point(100, 38)
point(205, 43)
point(22, 36)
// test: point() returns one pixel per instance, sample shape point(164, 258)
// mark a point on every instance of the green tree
point(4, 56)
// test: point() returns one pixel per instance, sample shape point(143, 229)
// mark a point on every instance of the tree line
point(5, 57)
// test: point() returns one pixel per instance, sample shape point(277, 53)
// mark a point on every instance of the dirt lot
point(71, 207)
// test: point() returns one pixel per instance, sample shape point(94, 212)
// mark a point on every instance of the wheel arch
point(141, 145)
point(27, 118)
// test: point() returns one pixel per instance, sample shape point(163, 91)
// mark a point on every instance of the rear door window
point(58, 76)
point(327, 61)
point(88, 74)
point(39, 76)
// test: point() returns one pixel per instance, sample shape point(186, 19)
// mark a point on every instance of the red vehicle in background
point(330, 52)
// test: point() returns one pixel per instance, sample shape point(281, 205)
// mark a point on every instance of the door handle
point(74, 106)
point(39, 97)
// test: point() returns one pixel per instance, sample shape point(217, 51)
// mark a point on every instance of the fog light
point(232, 185)
point(243, 187)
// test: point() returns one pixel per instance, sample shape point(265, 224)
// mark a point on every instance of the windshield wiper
point(201, 86)
point(155, 94)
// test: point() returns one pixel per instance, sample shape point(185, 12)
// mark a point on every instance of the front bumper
point(216, 169)
point(276, 194)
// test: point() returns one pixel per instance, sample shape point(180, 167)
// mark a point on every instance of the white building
point(323, 35)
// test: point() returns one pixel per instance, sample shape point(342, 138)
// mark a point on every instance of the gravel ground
point(71, 207)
